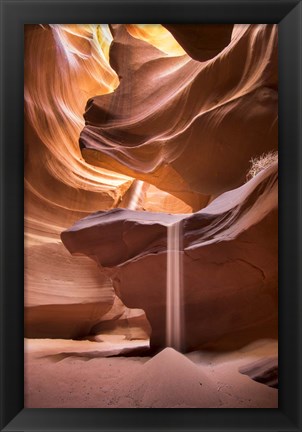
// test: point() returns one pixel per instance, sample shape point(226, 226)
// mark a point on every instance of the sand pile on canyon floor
point(169, 379)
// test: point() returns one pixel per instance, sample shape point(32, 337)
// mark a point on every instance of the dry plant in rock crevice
point(261, 162)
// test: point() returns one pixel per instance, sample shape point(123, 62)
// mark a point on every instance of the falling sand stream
point(174, 304)
point(174, 283)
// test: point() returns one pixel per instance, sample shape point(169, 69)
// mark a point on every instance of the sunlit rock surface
point(229, 261)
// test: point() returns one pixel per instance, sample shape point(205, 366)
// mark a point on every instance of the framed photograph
point(150, 256)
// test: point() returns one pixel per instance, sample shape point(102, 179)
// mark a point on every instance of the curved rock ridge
point(188, 127)
point(229, 261)
point(264, 371)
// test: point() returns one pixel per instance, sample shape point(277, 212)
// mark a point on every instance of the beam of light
point(136, 195)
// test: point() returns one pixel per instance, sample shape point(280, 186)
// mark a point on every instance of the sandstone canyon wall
point(185, 118)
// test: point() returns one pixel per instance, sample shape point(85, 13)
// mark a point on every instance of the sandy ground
point(75, 374)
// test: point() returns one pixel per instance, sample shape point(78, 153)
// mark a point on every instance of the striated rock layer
point(229, 256)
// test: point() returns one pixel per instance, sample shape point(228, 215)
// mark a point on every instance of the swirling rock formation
point(229, 261)
point(186, 126)
point(60, 186)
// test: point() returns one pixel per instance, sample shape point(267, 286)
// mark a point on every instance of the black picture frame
point(16, 13)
